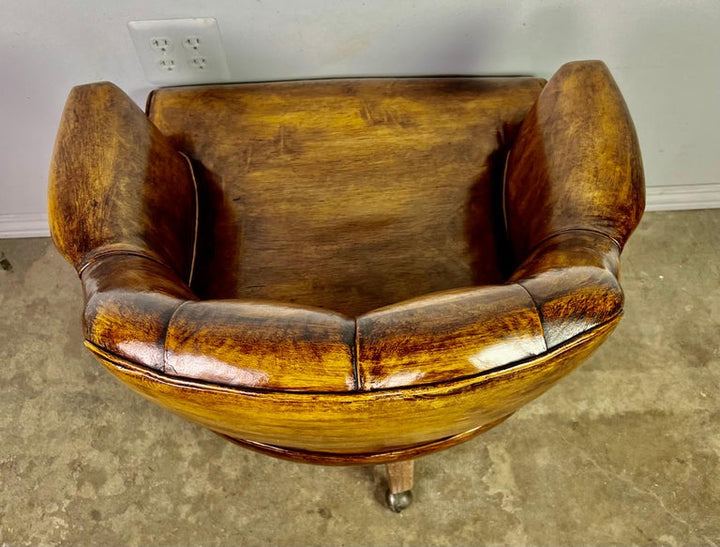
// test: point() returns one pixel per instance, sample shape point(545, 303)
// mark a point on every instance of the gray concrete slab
point(625, 451)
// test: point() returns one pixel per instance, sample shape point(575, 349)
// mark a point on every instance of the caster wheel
point(399, 501)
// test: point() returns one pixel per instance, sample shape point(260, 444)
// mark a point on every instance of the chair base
point(326, 458)
point(399, 463)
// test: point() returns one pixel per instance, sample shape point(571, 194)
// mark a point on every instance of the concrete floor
point(625, 451)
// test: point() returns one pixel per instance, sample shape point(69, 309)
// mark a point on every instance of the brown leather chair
point(349, 271)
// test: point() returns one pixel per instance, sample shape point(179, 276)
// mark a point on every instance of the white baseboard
point(659, 198)
point(24, 225)
point(682, 197)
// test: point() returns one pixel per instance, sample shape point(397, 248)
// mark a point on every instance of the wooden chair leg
point(400, 483)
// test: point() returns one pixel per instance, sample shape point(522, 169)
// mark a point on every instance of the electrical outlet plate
point(180, 51)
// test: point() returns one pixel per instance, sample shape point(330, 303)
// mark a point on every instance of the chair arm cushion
point(116, 184)
point(575, 163)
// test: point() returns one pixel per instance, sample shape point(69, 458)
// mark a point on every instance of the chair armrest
point(117, 185)
point(575, 163)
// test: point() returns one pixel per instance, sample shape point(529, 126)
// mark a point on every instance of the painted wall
point(665, 56)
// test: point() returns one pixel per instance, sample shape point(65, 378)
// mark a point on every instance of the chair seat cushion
point(347, 195)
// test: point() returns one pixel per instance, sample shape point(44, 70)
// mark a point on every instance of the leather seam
point(165, 334)
point(568, 230)
point(541, 319)
point(100, 255)
point(355, 350)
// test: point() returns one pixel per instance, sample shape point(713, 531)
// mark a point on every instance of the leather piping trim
point(102, 254)
point(511, 147)
point(197, 217)
point(149, 103)
point(119, 361)
point(504, 194)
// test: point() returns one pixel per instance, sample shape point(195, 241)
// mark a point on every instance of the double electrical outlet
point(180, 51)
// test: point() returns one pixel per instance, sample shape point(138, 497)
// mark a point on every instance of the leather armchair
point(349, 271)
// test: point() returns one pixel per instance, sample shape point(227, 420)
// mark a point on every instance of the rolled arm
point(575, 163)
point(117, 185)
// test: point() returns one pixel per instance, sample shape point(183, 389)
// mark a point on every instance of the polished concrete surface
point(624, 451)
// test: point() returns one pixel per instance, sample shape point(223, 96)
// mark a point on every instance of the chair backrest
point(347, 194)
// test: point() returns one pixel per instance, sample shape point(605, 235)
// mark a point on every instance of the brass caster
point(399, 501)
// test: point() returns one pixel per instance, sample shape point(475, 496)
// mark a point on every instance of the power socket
point(180, 51)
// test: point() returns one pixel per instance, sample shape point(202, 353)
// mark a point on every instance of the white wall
point(665, 56)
